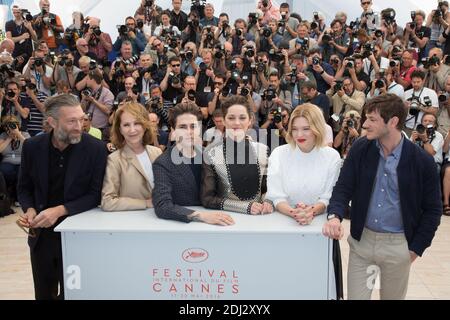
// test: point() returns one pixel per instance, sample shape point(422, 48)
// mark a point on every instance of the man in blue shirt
point(322, 71)
point(396, 203)
point(209, 19)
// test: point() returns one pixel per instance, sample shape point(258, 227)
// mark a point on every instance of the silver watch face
point(331, 216)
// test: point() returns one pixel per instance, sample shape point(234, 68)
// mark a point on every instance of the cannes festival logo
point(195, 255)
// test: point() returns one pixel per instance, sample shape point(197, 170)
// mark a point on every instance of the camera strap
point(96, 97)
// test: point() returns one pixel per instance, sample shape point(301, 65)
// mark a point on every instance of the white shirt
point(212, 135)
point(39, 80)
point(384, 64)
point(329, 134)
point(437, 144)
point(294, 176)
point(394, 88)
point(421, 94)
point(146, 164)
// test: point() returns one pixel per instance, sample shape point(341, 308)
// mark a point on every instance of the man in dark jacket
point(61, 175)
point(396, 203)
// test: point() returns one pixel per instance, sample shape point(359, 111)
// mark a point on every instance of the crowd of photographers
point(271, 56)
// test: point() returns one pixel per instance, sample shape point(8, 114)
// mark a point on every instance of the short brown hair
point(236, 100)
point(141, 114)
point(388, 106)
point(183, 108)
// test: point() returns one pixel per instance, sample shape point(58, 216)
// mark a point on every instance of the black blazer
point(83, 181)
point(419, 187)
point(175, 187)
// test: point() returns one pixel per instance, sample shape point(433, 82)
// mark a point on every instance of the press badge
point(335, 117)
point(49, 33)
point(207, 90)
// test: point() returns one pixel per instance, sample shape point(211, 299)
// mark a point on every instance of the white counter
point(135, 255)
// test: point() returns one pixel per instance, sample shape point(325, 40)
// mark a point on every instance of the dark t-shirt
point(424, 32)
point(322, 85)
point(20, 47)
point(361, 76)
point(323, 102)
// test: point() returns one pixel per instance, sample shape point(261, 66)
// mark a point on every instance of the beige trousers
point(383, 253)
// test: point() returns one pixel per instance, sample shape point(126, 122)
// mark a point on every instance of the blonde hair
point(314, 116)
point(141, 114)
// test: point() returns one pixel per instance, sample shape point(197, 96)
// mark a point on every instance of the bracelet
point(323, 71)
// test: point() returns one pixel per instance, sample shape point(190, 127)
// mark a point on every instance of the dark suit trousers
point(47, 265)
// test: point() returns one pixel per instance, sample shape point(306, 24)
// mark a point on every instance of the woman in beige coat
point(128, 181)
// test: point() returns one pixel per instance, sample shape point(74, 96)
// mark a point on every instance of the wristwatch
point(332, 216)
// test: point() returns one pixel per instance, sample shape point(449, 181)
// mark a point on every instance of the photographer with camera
point(129, 32)
point(75, 31)
point(204, 77)
point(277, 124)
point(322, 71)
point(37, 69)
point(438, 20)
point(11, 143)
point(419, 100)
point(310, 94)
point(209, 19)
point(20, 30)
point(269, 10)
point(352, 67)
point(160, 53)
point(389, 25)
point(368, 17)
point(223, 31)
point(274, 96)
point(436, 72)
point(287, 24)
point(427, 137)
point(178, 17)
point(444, 108)
point(166, 29)
point(34, 100)
point(334, 41)
point(99, 42)
point(171, 85)
point(385, 84)
point(145, 75)
point(403, 70)
point(192, 33)
point(350, 131)
point(131, 92)
point(151, 13)
point(190, 59)
point(192, 94)
point(344, 98)
point(157, 105)
point(219, 94)
point(317, 26)
point(268, 38)
point(98, 101)
point(215, 133)
point(65, 69)
point(303, 43)
point(12, 103)
point(48, 26)
point(240, 36)
point(374, 61)
point(87, 65)
point(82, 50)
point(297, 77)
point(416, 34)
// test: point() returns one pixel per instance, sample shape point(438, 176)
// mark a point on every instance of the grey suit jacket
point(175, 187)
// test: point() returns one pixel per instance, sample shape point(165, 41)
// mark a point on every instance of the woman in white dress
point(302, 173)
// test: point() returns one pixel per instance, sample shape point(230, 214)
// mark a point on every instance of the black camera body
point(277, 116)
point(368, 49)
point(276, 55)
point(431, 61)
point(253, 18)
point(266, 32)
point(245, 91)
point(315, 61)
point(87, 92)
point(269, 94)
point(338, 86)
point(174, 78)
point(351, 122)
point(380, 83)
point(26, 15)
point(123, 30)
point(250, 52)
point(9, 126)
point(327, 37)
point(415, 105)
